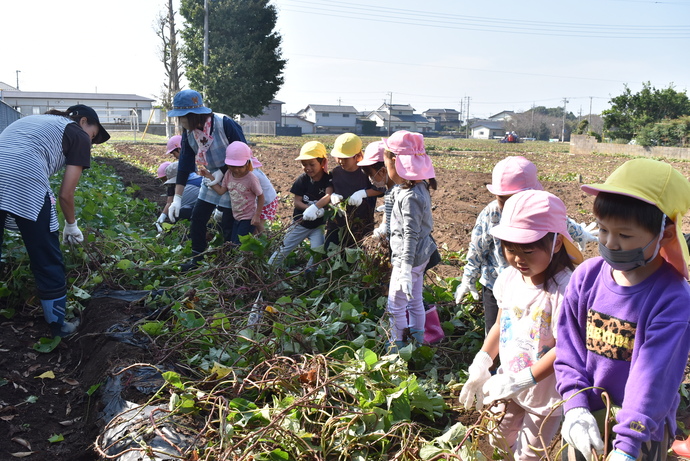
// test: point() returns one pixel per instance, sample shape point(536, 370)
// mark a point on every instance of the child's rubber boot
point(418, 336)
point(54, 313)
point(681, 448)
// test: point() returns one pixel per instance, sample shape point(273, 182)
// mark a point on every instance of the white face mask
point(380, 184)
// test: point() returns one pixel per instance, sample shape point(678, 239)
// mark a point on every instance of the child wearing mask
point(626, 316)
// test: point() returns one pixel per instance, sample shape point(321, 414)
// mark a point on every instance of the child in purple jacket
point(625, 320)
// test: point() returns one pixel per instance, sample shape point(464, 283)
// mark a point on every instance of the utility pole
point(205, 41)
point(467, 119)
point(565, 101)
point(18, 79)
point(590, 114)
point(390, 111)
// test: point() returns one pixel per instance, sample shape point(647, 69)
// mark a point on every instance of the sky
point(437, 54)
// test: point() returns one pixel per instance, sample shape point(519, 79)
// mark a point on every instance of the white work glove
point(381, 208)
point(356, 198)
point(71, 233)
point(404, 281)
point(617, 455)
point(336, 199)
point(312, 213)
point(174, 208)
point(580, 430)
point(217, 177)
point(507, 385)
point(479, 374)
point(463, 289)
point(161, 218)
point(217, 215)
point(380, 232)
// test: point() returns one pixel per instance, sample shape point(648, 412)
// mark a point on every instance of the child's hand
point(256, 220)
point(204, 172)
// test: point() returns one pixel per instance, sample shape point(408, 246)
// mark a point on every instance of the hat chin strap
point(553, 245)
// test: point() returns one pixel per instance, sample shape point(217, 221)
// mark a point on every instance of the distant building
point(487, 129)
point(112, 109)
point(292, 120)
point(394, 117)
point(502, 116)
point(271, 113)
point(443, 118)
point(330, 119)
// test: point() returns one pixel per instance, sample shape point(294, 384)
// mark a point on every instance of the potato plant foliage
point(311, 380)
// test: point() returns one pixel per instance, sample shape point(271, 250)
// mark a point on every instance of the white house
point(396, 117)
point(487, 129)
point(502, 116)
point(337, 119)
point(112, 109)
point(292, 120)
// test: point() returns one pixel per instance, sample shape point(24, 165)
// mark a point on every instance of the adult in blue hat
point(32, 149)
point(205, 137)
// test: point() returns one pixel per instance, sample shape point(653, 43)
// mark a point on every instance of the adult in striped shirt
point(32, 149)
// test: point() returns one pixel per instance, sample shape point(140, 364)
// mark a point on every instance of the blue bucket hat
point(188, 102)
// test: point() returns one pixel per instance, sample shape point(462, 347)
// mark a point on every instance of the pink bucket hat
point(161, 169)
point(237, 154)
point(530, 215)
point(174, 142)
point(373, 153)
point(512, 175)
point(411, 160)
point(256, 163)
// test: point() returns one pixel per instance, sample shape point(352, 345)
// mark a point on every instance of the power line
point(451, 21)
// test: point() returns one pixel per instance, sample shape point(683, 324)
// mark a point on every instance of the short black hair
point(626, 208)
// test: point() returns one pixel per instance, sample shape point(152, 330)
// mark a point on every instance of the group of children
point(618, 324)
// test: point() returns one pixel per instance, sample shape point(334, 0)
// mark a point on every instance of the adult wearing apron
point(205, 137)
point(32, 149)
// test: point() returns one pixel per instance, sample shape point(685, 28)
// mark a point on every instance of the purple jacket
point(631, 341)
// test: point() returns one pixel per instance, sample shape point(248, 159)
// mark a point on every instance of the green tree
point(630, 113)
point(244, 70)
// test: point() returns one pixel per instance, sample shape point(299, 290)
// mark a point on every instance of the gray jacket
point(411, 226)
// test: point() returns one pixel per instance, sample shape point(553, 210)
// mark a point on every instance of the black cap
point(85, 111)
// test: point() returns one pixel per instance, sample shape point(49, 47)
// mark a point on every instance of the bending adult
point(32, 149)
point(205, 137)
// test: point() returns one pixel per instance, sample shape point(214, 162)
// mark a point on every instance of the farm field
point(193, 326)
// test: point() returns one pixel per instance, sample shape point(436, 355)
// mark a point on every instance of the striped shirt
point(32, 149)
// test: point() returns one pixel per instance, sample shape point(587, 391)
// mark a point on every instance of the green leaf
point(45, 345)
point(173, 379)
point(93, 389)
point(124, 264)
point(56, 438)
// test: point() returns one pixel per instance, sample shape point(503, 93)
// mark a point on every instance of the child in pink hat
point(246, 195)
point(485, 259)
point(541, 258)
point(373, 165)
point(411, 243)
point(173, 146)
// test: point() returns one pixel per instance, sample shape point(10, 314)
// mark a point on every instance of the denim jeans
point(43, 248)
point(240, 227)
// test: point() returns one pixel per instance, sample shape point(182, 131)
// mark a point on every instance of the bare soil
point(63, 406)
